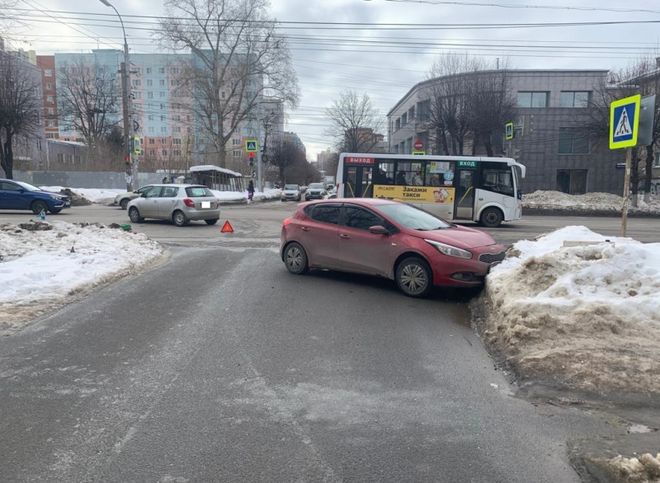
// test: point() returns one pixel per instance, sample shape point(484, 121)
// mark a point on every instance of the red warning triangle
point(227, 228)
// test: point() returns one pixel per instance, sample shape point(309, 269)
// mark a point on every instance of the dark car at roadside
point(388, 239)
point(17, 195)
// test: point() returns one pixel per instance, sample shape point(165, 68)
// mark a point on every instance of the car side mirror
point(379, 230)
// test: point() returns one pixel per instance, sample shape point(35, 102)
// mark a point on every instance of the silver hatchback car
point(180, 203)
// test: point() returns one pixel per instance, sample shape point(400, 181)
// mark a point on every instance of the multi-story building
point(551, 117)
point(49, 88)
point(162, 110)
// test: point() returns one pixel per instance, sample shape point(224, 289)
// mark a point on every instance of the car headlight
point(449, 250)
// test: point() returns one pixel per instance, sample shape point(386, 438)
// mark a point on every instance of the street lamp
point(124, 98)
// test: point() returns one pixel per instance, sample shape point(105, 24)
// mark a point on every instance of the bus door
point(358, 182)
point(465, 187)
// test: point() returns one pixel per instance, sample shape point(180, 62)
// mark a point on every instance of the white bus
point(481, 189)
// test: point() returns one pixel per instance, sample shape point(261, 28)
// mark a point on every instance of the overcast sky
point(327, 66)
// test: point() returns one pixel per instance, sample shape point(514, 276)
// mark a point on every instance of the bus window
point(384, 174)
point(497, 177)
point(410, 174)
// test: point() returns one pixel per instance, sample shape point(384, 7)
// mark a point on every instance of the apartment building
point(551, 117)
point(49, 88)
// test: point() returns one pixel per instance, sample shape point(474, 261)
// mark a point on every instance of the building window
point(177, 152)
point(161, 70)
point(60, 157)
point(150, 95)
point(533, 99)
point(162, 118)
point(138, 95)
point(176, 141)
point(572, 181)
point(151, 130)
point(164, 152)
point(574, 99)
point(163, 129)
point(49, 86)
point(152, 152)
point(50, 99)
point(573, 141)
point(397, 124)
point(150, 82)
point(177, 117)
point(151, 117)
point(162, 93)
point(404, 119)
point(176, 129)
point(162, 106)
point(223, 94)
point(136, 82)
point(237, 153)
point(411, 113)
point(162, 82)
point(51, 111)
point(236, 142)
point(656, 162)
point(148, 70)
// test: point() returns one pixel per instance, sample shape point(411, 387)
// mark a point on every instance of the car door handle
point(304, 228)
point(344, 236)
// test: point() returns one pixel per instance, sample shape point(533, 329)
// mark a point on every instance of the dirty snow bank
point(41, 269)
point(104, 196)
point(589, 202)
point(240, 196)
point(585, 316)
point(644, 469)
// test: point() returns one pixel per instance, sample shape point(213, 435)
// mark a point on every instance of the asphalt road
point(221, 366)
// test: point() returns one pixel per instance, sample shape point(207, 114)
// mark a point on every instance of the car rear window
point(198, 192)
point(326, 213)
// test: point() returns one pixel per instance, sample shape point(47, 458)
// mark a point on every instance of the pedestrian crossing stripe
point(624, 122)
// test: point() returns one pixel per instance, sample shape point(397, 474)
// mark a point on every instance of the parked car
point(122, 199)
point(315, 191)
point(291, 192)
point(389, 239)
point(179, 203)
point(17, 195)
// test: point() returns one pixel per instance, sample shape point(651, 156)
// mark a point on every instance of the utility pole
point(131, 179)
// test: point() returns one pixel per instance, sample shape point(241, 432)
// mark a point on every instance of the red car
point(388, 239)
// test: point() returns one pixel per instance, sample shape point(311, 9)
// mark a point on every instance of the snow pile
point(578, 309)
point(594, 202)
point(42, 269)
point(94, 195)
point(242, 196)
point(645, 469)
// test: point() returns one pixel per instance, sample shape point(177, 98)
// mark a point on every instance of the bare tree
point(88, 99)
point(491, 105)
point(284, 155)
point(449, 101)
point(20, 106)
point(355, 122)
point(237, 59)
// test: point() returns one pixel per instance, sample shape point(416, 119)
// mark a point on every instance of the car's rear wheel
point(295, 258)
point(414, 277)
point(179, 218)
point(134, 215)
point(38, 206)
point(123, 203)
point(491, 217)
point(211, 222)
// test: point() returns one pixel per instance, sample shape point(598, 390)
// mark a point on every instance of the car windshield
point(316, 186)
point(27, 186)
point(412, 217)
point(291, 187)
point(198, 192)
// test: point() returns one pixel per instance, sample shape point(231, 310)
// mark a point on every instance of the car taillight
point(189, 203)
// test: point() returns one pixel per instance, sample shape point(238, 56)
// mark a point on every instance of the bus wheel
point(491, 217)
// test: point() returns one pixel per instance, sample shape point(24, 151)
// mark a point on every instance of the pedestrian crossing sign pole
point(624, 129)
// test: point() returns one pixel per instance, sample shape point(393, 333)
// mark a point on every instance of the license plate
point(206, 204)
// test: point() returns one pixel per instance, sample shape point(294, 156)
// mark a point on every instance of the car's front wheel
point(414, 277)
point(38, 206)
point(211, 222)
point(123, 203)
point(295, 258)
point(134, 215)
point(179, 218)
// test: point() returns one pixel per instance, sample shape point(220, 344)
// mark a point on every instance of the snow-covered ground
point(238, 196)
point(642, 469)
point(595, 202)
point(578, 309)
point(40, 270)
point(103, 196)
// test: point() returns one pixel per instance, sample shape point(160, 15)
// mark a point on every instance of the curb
point(586, 212)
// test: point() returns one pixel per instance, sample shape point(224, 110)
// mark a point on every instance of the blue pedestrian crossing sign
point(624, 122)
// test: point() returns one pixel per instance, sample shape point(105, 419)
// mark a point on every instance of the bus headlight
point(450, 250)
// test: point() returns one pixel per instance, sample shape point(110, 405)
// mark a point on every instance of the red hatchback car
point(388, 239)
